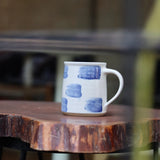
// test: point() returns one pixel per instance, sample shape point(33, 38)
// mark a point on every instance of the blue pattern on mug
point(74, 90)
point(64, 104)
point(65, 75)
point(94, 105)
point(89, 72)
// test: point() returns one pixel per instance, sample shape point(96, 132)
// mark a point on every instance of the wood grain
point(44, 127)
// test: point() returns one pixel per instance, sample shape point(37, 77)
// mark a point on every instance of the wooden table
point(44, 128)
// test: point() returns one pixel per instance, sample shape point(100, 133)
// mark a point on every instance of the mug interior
point(84, 63)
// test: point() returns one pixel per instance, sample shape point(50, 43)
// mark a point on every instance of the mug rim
point(84, 63)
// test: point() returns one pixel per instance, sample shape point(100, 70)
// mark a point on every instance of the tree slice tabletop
point(46, 128)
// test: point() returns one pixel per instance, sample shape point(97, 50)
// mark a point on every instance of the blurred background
point(128, 31)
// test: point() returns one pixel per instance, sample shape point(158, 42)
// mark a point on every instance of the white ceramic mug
point(85, 88)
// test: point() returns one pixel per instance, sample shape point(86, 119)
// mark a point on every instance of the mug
point(84, 90)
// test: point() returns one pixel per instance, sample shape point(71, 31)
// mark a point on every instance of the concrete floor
point(11, 154)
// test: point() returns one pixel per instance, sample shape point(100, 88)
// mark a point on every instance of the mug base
point(84, 114)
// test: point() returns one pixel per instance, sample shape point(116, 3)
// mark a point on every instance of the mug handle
point(121, 83)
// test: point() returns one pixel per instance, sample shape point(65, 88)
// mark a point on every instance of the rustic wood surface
point(44, 127)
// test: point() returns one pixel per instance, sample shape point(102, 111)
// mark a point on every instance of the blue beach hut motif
point(65, 75)
point(73, 90)
point(64, 104)
point(89, 72)
point(94, 105)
